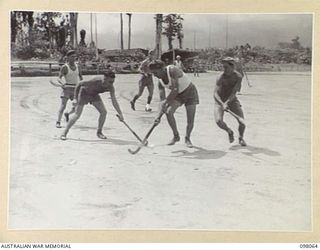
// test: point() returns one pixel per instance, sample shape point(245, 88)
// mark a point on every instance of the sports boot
point(174, 140)
point(242, 142)
point(231, 137)
point(188, 142)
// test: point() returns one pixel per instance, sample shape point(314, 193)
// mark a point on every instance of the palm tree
point(129, 35)
point(173, 29)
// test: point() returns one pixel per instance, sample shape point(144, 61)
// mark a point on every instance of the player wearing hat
point(71, 72)
point(145, 81)
point(87, 91)
point(182, 92)
point(225, 98)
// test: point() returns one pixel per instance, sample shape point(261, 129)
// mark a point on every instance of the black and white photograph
point(160, 121)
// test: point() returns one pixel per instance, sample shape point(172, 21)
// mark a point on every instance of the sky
point(202, 30)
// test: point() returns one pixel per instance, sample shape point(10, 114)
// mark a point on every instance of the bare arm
point(142, 68)
point(80, 73)
point(174, 73)
point(215, 92)
point(63, 71)
point(115, 102)
point(162, 92)
point(216, 95)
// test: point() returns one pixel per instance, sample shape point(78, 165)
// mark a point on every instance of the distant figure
point(145, 81)
point(71, 72)
point(196, 68)
point(179, 63)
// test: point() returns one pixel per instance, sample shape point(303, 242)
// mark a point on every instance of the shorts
point(84, 98)
point(234, 106)
point(68, 93)
point(189, 96)
point(145, 80)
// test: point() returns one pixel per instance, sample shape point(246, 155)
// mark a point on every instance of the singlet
point(72, 77)
point(226, 84)
point(178, 64)
point(183, 82)
point(95, 86)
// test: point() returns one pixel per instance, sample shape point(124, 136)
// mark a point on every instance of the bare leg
point(102, 118)
point(191, 111)
point(218, 116)
point(236, 108)
point(172, 121)
point(150, 90)
point(62, 108)
point(136, 97)
point(72, 121)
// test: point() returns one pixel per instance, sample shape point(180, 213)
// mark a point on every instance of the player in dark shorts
point(182, 92)
point(88, 91)
point(225, 98)
point(71, 72)
point(145, 81)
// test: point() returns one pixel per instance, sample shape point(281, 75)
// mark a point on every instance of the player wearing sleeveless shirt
point(179, 63)
point(88, 91)
point(145, 81)
point(225, 98)
point(182, 91)
point(72, 73)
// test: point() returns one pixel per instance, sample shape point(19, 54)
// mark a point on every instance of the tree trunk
point(73, 23)
point(121, 31)
point(129, 36)
point(13, 26)
point(158, 35)
point(91, 28)
point(180, 43)
point(170, 43)
point(76, 29)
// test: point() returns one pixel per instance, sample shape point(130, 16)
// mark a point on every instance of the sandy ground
point(87, 183)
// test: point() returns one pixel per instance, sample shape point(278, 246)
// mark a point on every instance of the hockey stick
point(61, 84)
point(131, 130)
point(147, 136)
point(239, 119)
point(56, 84)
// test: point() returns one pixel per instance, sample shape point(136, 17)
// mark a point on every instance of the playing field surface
point(88, 183)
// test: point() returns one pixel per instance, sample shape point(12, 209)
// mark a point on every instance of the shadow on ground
point(200, 153)
point(107, 141)
point(251, 150)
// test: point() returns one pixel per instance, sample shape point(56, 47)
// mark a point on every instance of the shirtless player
point(88, 91)
point(225, 98)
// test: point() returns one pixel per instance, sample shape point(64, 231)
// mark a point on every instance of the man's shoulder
point(237, 74)
point(95, 79)
point(220, 75)
point(64, 66)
